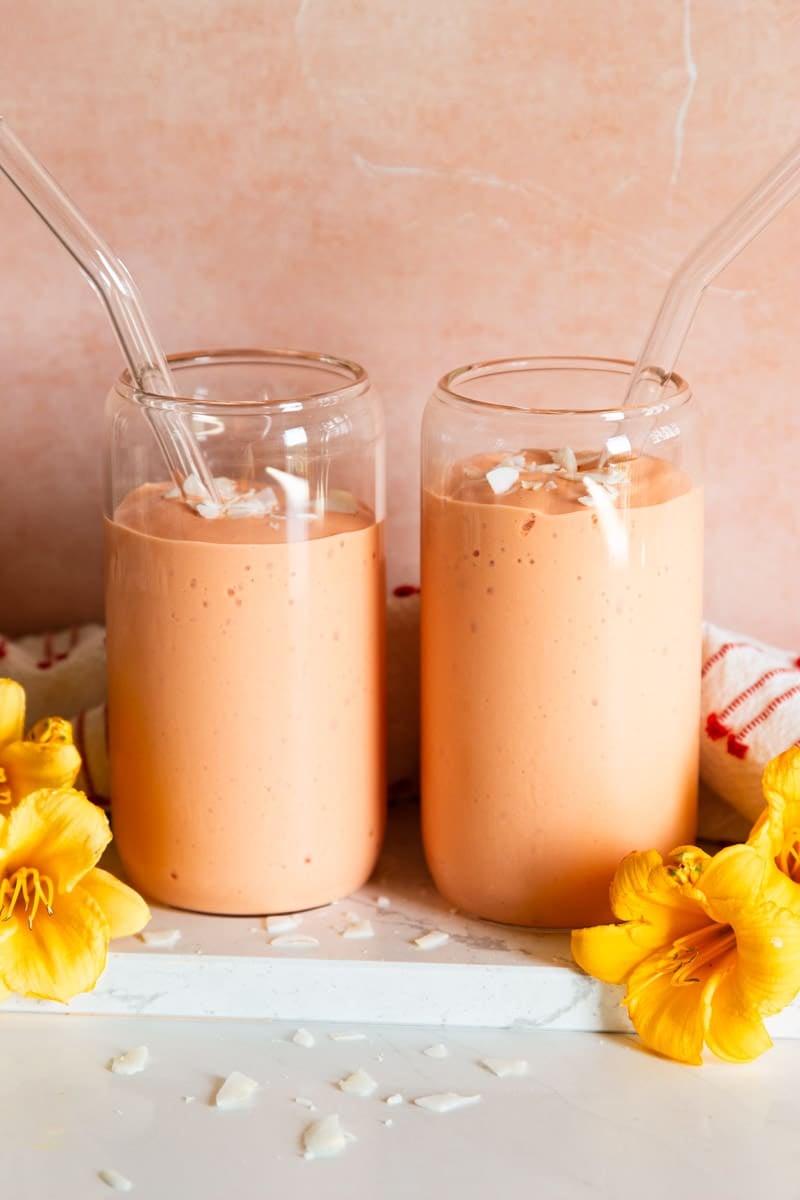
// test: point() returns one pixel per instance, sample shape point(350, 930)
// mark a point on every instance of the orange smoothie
point(245, 704)
point(561, 628)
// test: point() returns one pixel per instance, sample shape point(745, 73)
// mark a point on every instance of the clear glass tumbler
point(246, 644)
point(561, 633)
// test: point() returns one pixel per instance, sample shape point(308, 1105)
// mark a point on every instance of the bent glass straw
point(685, 290)
point(112, 281)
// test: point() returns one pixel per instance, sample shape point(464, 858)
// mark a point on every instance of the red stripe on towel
point(720, 653)
point(736, 741)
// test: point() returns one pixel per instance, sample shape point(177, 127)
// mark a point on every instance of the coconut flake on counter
point(502, 479)
point(360, 1083)
point(348, 1036)
point(132, 1062)
point(303, 1038)
point(325, 1138)
point(357, 927)
point(432, 940)
point(115, 1180)
point(445, 1102)
point(282, 923)
point(506, 1068)
point(160, 939)
point(438, 1050)
point(237, 1091)
point(294, 941)
point(304, 1102)
point(394, 1099)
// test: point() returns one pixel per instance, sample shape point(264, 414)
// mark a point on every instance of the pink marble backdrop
point(412, 183)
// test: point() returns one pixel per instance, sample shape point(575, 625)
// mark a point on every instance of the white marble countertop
point(596, 1116)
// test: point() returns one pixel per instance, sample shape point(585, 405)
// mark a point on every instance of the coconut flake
point(294, 941)
point(339, 501)
point(115, 1180)
point(303, 1038)
point(161, 939)
point(282, 924)
point(210, 510)
point(550, 486)
point(360, 1083)
point(193, 489)
point(237, 1091)
point(226, 488)
point(383, 902)
point(432, 940)
point(131, 1062)
point(444, 1102)
point(551, 468)
point(565, 457)
point(513, 460)
point(587, 501)
point(438, 1050)
point(304, 1102)
point(348, 1036)
point(358, 930)
point(173, 494)
point(506, 1068)
point(502, 479)
point(394, 1099)
point(325, 1138)
point(616, 447)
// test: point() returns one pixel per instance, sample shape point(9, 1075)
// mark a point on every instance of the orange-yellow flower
point(57, 909)
point(706, 948)
point(46, 758)
point(777, 830)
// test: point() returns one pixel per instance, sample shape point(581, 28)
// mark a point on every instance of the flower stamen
point(35, 889)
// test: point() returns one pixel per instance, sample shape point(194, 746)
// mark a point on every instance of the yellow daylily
point(57, 909)
point(706, 948)
point(777, 830)
point(46, 758)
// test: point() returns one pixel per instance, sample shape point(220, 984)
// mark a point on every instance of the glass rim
point(446, 388)
point(355, 380)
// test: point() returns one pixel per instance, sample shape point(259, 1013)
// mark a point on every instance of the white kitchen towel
point(750, 706)
point(751, 712)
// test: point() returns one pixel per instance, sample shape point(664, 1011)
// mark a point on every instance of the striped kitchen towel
point(751, 712)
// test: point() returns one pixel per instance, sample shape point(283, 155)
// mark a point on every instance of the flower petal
point(733, 1034)
point(670, 1018)
point(656, 905)
point(12, 711)
point(60, 833)
point(30, 766)
point(124, 909)
point(62, 954)
point(610, 952)
point(745, 889)
point(777, 830)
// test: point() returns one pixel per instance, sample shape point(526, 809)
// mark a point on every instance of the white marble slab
point(485, 975)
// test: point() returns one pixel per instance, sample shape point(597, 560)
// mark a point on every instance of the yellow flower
point(46, 758)
point(57, 910)
point(777, 830)
point(706, 948)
